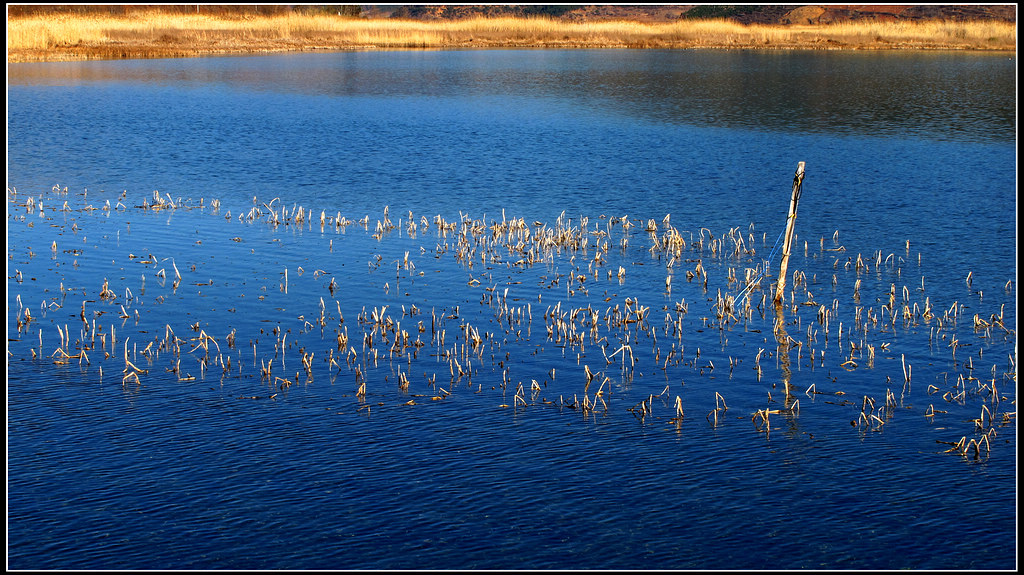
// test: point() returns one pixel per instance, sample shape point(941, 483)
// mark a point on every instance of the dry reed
point(627, 325)
point(161, 34)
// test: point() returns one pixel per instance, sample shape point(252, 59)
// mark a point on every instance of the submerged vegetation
point(400, 342)
point(72, 36)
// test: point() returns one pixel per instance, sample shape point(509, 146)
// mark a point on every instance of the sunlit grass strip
point(933, 31)
point(183, 30)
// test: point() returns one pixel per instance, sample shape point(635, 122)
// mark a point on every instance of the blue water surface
point(910, 165)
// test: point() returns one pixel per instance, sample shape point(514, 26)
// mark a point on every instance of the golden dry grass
point(160, 34)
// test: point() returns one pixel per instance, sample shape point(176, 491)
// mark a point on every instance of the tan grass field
point(159, 34)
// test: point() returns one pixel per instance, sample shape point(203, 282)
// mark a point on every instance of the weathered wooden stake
point(798, 180)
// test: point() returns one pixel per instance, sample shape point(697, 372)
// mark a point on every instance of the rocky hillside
point(747, 14)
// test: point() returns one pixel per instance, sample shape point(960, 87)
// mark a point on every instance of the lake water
point(509, 329)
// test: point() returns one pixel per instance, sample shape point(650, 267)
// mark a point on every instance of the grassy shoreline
point(160, 35)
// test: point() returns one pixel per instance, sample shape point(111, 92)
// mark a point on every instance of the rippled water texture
point(486, 310)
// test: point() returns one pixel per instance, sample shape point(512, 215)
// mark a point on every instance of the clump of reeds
point(928, 33)
point(161, 31)
point(619, 329)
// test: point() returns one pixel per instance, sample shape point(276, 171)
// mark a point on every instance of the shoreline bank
point(160, 35)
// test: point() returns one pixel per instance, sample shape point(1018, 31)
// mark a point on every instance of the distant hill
point(747, 14)
point(744, 13)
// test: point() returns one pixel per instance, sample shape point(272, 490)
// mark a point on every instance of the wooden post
point(787, 245)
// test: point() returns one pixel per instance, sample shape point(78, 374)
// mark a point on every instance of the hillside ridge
point(746, 14)
point(650, 13)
